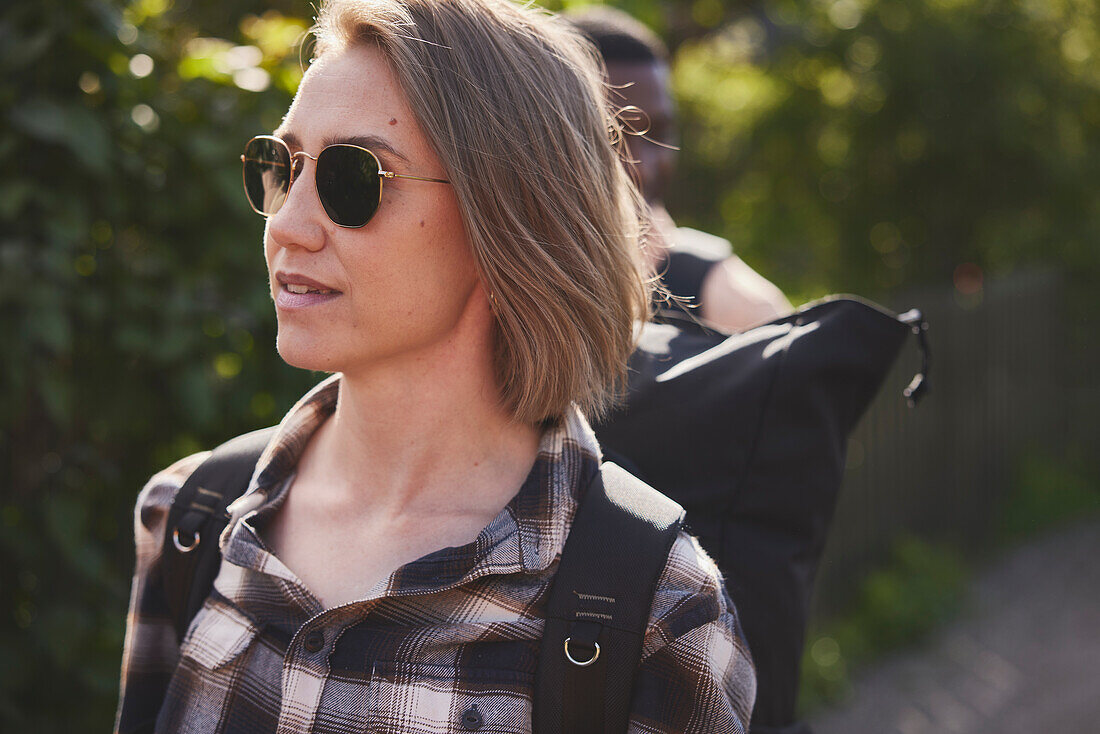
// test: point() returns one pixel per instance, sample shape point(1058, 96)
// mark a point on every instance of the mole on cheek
point(393, 120)
point(421, 222)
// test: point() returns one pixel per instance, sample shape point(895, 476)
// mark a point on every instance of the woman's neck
point(422, 436)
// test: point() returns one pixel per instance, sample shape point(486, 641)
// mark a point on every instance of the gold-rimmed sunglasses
point(349, 179)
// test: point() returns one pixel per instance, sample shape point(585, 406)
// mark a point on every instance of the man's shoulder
point(701, 244)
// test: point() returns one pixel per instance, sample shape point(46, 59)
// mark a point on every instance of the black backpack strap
point(198, 515)
point(600, 603)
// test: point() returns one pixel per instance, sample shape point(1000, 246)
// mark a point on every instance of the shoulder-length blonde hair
point(513, 102)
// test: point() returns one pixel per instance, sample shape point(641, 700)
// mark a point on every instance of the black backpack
point(596, 614)
point(749, 433)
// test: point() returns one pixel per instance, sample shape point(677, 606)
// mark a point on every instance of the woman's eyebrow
point(373, 143)
point(289, 138)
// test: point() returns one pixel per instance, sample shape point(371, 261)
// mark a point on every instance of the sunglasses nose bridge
point(294, 173)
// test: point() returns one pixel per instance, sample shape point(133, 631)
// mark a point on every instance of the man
point(730, 295)
point(694, 265)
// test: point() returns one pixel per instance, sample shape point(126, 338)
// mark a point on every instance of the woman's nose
point(300, 221)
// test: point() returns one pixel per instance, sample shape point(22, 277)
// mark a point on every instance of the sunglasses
point(349, 179)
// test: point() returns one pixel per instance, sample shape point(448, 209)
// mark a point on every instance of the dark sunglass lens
point(348, 184)
point(266, 174)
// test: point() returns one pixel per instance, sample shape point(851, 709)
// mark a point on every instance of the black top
point(687, 265)
point(685, 272)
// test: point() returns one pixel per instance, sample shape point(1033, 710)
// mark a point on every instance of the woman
point(403, 525)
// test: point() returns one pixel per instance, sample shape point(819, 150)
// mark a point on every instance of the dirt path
point(1025, 658)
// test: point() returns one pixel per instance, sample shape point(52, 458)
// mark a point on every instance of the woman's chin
point(304, 355)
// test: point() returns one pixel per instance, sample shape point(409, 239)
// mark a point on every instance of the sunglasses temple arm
point(258, 160)
point(391, 174)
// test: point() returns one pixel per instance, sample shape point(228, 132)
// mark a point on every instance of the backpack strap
point(191, 556)
point(599, 605)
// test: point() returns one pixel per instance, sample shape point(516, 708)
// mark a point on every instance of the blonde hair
point(513, 102)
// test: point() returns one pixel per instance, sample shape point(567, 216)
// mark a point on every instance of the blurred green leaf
point(13, 196)
point(43, 119)
point(46, 323)
point(19, 51)
point(71, 125)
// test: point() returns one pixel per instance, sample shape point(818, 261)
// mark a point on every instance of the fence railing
point(943, 470)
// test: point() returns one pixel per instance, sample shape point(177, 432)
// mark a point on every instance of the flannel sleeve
point(696, 673)
point(150, 652)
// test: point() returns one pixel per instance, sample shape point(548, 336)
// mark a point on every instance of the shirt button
point(471, 719)
point(314, 641)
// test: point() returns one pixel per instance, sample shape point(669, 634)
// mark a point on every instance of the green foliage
point(919, 589)
point(133, 304)
point(1049, 490)
point(867, 146)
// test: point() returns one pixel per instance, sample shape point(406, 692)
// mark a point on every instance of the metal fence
point(1000, 387)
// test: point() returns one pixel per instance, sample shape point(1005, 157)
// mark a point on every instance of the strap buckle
point(195, 540)
point(586, 663)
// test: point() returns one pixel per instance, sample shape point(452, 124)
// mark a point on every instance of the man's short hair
point(618, 35)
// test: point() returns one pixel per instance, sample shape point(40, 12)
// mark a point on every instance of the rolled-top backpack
point(748, 433)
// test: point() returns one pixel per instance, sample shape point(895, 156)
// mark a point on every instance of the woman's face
point(404, 283)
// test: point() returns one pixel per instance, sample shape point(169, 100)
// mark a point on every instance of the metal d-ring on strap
point(573, 660)
point(185, 548)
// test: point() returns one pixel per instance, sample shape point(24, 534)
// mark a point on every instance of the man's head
point(638, 71)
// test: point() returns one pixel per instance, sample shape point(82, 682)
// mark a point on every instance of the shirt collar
point(527, 535)
point(281, 456)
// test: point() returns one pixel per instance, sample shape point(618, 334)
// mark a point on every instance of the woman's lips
point(284, 299)
point(309, 291)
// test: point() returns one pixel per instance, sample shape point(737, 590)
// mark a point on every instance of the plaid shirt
point(452, 634)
